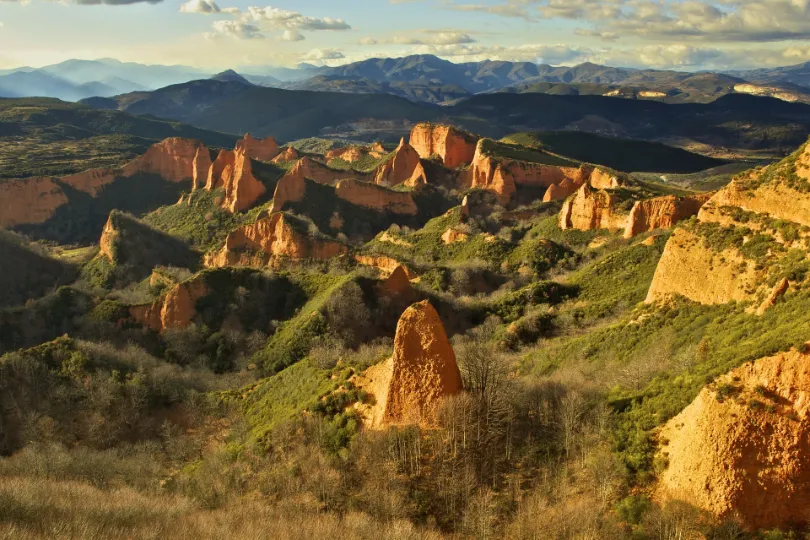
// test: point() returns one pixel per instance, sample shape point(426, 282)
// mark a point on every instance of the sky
point(247, 34)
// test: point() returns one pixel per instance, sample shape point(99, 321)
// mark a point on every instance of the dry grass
point(38, 509)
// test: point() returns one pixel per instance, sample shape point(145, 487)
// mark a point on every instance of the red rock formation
point(291, 188)
point(376, 197)
point(307, 168)
point(233, 171)
point(201, 166)
point(176, 309)
point(404, 166)
point(662, 213)
point(261, 149)
point(590, 209)
point(397, 285)
point(349, 154)
point(268, 239)
point(422, 372)
point(34, 200)
point(454, 146)
point(289, 154)
point(107, 242)
point(745, 452)
point(173, 159)
point(561, 191)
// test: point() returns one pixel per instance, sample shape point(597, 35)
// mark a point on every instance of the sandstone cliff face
point(270, 238)
point(34, 200)
point(590, 209)
point(701, 274)
point(748, 452)
point(561, 191)
point(200, 167)
point(662, 213)
point(173, 159)
point(233, 171)
point(261, 149)
point(289, 189)
point(453, 146)
point(404, 166)
point(176, 309)
point(409, 386)
point(349, 154)
point(30, 200)
point(486, 173)
point(376, 197)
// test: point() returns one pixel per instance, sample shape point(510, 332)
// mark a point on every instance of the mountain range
point(418, 78)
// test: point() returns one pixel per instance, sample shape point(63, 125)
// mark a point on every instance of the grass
point(272, 401)
point(136, 250)
point(200, 221)
point(506, 149)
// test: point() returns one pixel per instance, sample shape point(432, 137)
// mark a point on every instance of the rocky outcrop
point(318, 172)
point(201, 166)
point(453, 146)
point(560, 181)
point(349, 154)
point(108, 240)
point(590, 209)
point(173, 159)
point(34, 200)
point(376, 197)
point(289, 189)
point(410, 386)
point(270, 238)
point(261, 149)
point(708, 260)
point(233, 171)
point(175, 310)
point(662, 213)
point(31, 200)
point(689, 269)
point(451, 236)
point(384, 263)
point(404, 167)
point(561, 191)
point(289, 154)
point(777, 292)
point(743, 446)
point(397, 286)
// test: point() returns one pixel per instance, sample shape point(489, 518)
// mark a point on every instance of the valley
point(230, 310)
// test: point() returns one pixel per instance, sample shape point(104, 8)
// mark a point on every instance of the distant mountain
point(434, 80)
point(234, 107)
point(798, 74)
point(230, 76)
point(732, 123)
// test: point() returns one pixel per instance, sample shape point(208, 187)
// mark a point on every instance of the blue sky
point(218, 34)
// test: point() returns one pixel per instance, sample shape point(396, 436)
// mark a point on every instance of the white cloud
point(291, 35)
point(200, 6)
point(424, 37)
point(324, 54)
point(281, 18)
point(235, 29)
